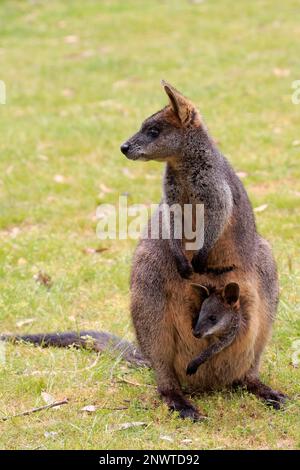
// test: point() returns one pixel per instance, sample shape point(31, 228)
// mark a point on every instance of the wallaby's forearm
point(173, 195)
point(95, 340)
point(212, 350)
point(217, 211)
point(203, 357)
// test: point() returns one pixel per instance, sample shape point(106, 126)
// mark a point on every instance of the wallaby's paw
point(264, 392)
point(191, 368)
point(275, 399)
point(199, 263)
point(191, 413)
point(185, 269)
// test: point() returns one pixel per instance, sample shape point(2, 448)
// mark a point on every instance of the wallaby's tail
point(95, 340)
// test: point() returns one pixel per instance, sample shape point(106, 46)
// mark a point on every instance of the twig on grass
point(35, 410)
point(92, 408)
point(135, 384)
point(117, 408)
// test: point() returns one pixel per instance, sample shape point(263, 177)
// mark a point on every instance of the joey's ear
point(201, 290)
point(231, 293)
point(182, 107)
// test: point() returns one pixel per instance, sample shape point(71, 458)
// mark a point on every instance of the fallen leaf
point(48, 399)
point(22, 261)
point(278, 72)
point(92, 251)
point(67, 92)
point(105, 49)
point(121, 427)
point(26, 321)
point(14, 232)
point(166, 438)
point(88, 53)
point(50, 434)
point(43, 278)
point(9, 169)
point(105, 189)
point(89, 408)
point(59, 179)
point(71, 39)
point(296, 353)
point(261, 208)
point(43, 158)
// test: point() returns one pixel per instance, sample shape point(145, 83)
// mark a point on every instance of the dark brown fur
point(162, 300)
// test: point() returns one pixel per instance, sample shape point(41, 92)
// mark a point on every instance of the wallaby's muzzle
point(197, 332)
point(124, 148)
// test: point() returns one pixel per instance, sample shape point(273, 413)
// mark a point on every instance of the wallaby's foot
point(177, 402)
point(184, 268)
point(274, 398)
point(199, 262)
point(264, 392)
point(191, 413)
point(192, 367)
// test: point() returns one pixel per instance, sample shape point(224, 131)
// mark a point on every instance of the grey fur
point(95, 340)
point(221, 330)
point(195, 172)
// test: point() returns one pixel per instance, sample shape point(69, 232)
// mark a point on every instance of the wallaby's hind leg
point(254, 385)
point(264, 392)
point(154, 280)
point(161, 355)
point(170, 392)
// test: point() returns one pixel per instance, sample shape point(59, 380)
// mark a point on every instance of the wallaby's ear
point(201, 290)
point(231, 293)
point(182, 107)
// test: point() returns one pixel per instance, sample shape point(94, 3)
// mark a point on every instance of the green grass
point(80, 77)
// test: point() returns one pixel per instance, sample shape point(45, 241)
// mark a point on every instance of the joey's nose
point(197, 333)
point(125, 148)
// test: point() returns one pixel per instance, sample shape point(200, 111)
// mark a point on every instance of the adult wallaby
point(162, 301)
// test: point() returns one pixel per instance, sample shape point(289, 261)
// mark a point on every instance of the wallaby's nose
point(125, 148)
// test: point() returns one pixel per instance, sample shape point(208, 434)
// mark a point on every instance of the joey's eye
point(153, 132)
point(212, 318)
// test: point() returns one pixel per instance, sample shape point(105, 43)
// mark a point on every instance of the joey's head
point(162, 135)
point(219, 309)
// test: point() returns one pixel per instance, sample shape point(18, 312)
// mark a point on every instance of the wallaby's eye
point(153, 132)
point(212, 318)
